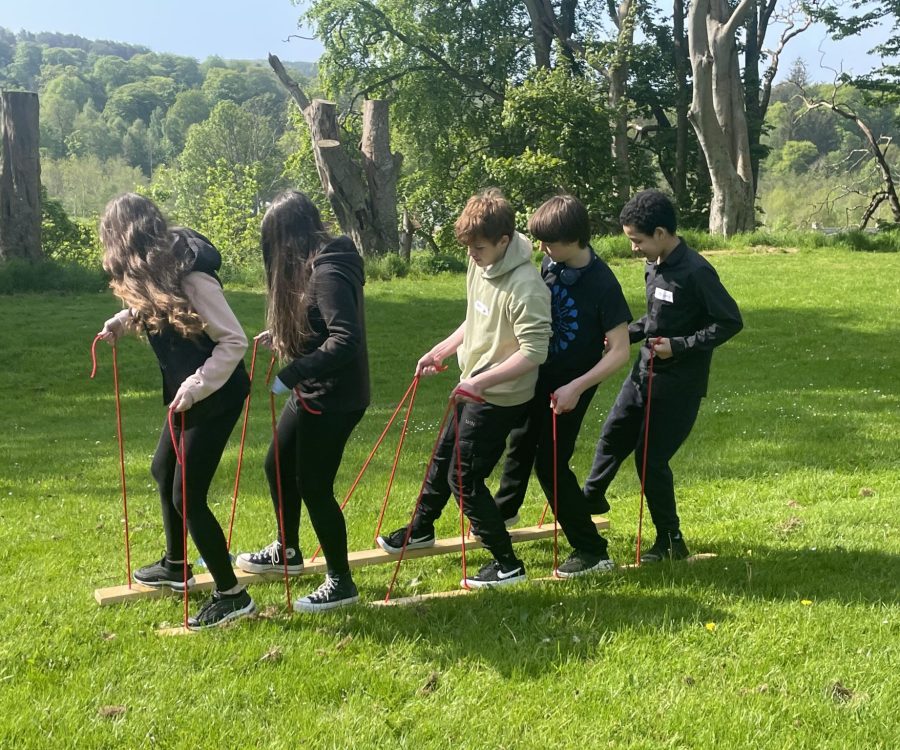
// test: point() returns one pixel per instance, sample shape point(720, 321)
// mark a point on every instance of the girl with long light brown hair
point(166, 277)
point(316, 324)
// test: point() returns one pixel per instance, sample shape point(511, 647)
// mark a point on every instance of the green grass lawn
point(790, 638)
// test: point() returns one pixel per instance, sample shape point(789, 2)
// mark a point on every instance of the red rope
point(437, 442)
point(390, 484)
point(459, 484)
point(121, 440)
point(637, 559)
point(555, 500)
point(287, 582)
point(237, 477)
point(179, 457)
point(370, 457)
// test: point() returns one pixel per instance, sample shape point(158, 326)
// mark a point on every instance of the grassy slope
point(801, 418)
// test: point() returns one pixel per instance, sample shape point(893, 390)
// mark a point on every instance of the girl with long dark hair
point(316, 325)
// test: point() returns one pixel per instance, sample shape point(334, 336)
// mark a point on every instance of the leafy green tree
point(26, 65)
point(224, 84)
point(190, 107)
point(63, 98)
point(112, 72)
point(797, 157)
point(557, 136)
point(136, 101)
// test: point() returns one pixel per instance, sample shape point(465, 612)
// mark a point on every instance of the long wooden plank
point(359, 559)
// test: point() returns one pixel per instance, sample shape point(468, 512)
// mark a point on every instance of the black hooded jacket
point(180, 357)
point(332, 368)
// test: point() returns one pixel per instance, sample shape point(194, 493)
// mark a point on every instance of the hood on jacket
point(341, 252)
point(206, 258)
point(517, 253)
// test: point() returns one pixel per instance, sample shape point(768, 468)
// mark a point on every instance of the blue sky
point(240, 29)
point(246, 29)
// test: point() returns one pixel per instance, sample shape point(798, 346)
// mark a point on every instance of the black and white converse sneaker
point(666, 547)
point(336, 591)
point(393, 542)
point(164, 573)
point(579, 563)
point(222, 608)
point(269, 560)
point(496, 573)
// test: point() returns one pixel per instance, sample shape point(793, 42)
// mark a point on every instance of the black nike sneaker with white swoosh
point(496, 573)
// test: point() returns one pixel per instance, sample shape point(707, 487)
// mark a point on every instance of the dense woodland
point(533, 97)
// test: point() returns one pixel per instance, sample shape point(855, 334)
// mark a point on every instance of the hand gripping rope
point(121, 438)
point(287, 582)
point(637, 559)
point(178, 447)
point(451, 405)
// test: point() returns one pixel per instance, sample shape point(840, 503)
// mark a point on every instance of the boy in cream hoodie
point(499, 347)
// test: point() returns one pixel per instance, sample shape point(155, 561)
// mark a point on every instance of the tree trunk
point(683, 102)
point(618, 82)
point(381, 172)
point(20, 176)
point(718, 115)
point(542, 32)
point(364, 214)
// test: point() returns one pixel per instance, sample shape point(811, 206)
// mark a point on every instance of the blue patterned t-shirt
point(581, 314)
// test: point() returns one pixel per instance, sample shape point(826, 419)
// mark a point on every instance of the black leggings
point(310, 448)
point(204, 444)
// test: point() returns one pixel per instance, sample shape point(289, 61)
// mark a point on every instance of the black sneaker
point(579, 563)
point(597, 505)
point(496, 574)
point(269, 560)
point(393, 542)
point(222, 608)
point(164, 573)
point(336, 591)
point(666, 547)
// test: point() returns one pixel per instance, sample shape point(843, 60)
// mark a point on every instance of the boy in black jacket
point(689, 313)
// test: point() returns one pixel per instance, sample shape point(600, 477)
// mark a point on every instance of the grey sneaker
point(580, 563)
point(222, 608)
point(269, 560)
point(164, 573)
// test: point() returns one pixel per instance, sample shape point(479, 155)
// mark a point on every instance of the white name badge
point(481, 307)
point(664, 294)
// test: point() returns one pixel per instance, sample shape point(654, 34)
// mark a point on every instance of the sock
point(233, 591)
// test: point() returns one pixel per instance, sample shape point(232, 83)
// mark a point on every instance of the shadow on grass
point(525, 630)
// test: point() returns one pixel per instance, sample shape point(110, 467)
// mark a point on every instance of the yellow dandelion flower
point(711, 627)
point(806, 602)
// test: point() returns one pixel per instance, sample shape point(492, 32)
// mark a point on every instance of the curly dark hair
point(648, 210)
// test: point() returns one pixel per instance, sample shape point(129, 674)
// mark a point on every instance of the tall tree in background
point(718, 113)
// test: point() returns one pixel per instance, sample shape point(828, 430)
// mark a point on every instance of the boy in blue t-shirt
point(587, 306)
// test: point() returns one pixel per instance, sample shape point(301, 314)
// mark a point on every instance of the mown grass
point(789, 638)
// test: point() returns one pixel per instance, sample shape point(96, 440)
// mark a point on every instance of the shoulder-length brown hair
point(147, 265)
point(292, 234)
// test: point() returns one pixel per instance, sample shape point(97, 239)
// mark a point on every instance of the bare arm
point(566, 397)
point(431, 363)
